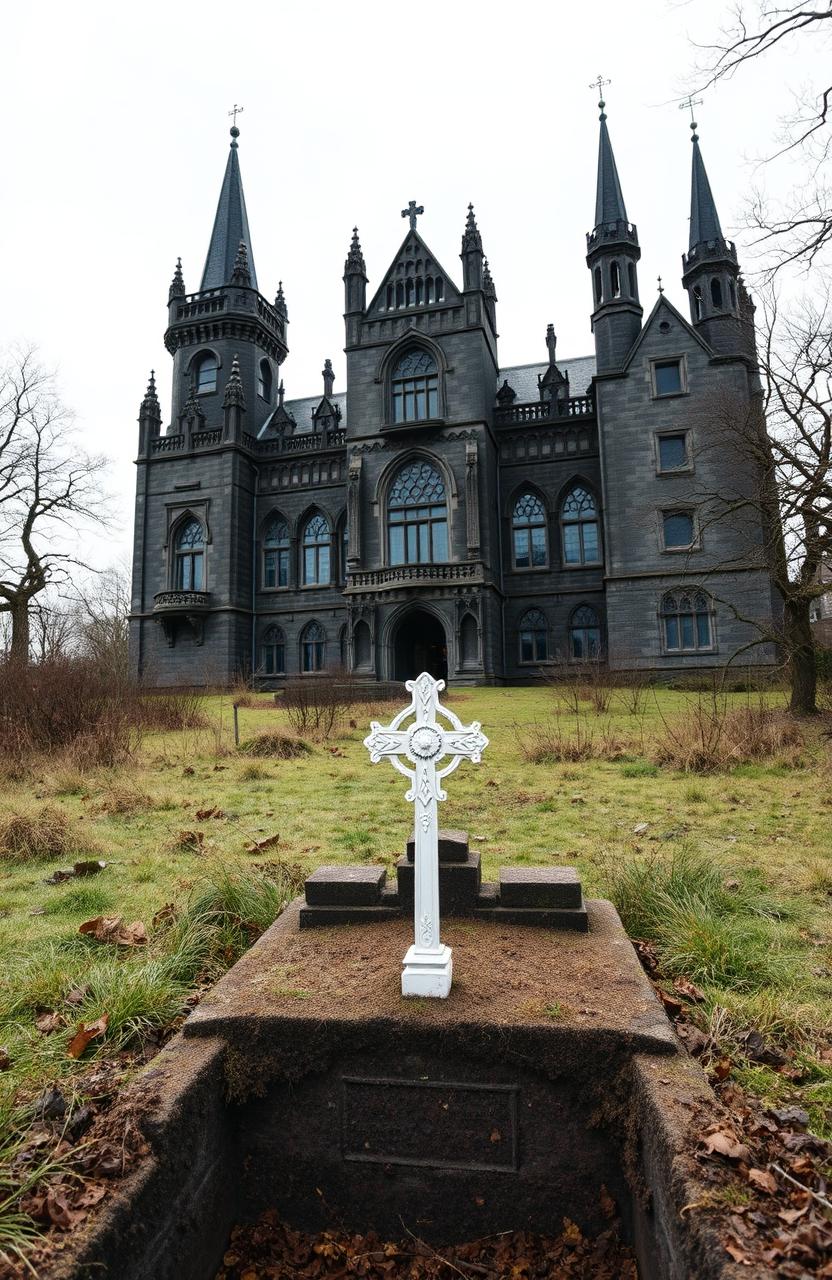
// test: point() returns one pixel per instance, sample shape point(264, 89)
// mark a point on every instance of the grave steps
point(548, 897)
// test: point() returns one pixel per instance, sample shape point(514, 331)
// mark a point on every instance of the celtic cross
point(412, 212)
point(424, 744)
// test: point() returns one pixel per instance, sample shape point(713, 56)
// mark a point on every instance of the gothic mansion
point(445, 513)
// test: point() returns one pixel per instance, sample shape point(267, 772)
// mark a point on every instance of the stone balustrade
point(410, 575)
point(180, 601)
point(544, 411)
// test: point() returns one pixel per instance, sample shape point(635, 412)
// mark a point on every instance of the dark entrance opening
point(420, 645)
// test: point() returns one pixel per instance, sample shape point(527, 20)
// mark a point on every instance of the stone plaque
point(435, 1124)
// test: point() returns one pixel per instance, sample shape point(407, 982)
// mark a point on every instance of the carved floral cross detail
point(424, 744)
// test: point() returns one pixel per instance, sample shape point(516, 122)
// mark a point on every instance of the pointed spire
point(609, 200)
point(280, 301)
point(241, 275)
point(150, 405)
point(230, 226)
point(355, 264)
point(704, 219)
point(471, 239)
point(234, 394)
point(487, 283)
point(177, 284)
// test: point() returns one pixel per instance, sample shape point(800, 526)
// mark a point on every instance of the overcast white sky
point(117, 135)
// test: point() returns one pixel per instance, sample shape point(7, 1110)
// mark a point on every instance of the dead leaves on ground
point(269, 1248)
point(87, 1031)
point(257, 846)
point(112, 929)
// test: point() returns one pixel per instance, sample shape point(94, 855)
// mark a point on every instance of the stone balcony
point(539, 411)
point(398, 577)
point(180, 601)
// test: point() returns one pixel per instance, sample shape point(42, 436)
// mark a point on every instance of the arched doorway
point(420, 645)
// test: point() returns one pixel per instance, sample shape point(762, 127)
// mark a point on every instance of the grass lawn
point(728, 874)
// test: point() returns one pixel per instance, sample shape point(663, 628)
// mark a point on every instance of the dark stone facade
point(533, 523)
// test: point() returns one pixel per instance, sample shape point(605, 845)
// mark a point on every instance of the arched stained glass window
point(579, 528)
point(313, 648)
point(273, 652)
point(189, 566)
point(533, 632)
point(417, 516)
point(316, 552)
point(686, 621)
point(528, 527)
point(205, 372)
point(276, 553)
point(584, 633)
point(415, 387)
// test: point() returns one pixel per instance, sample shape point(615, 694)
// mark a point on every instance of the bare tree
point(800, 230)
point(49, 489)
point(778, 489)
point(102, 609)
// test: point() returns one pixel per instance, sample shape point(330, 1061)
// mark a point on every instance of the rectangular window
point(668, 377)
point(396, 544)
point(571, 544)
point(590, 541)
point(539, 548)
point(526, 647)
point(673, 452)
point(440, 541)
point(521, 549)
point(677, 528)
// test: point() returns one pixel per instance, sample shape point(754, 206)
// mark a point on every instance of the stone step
point(459, 885)
point(453, 846)
point(315, 917)
point(546, 887)
point(345, 886)
point(550, 918)
point(489, 894)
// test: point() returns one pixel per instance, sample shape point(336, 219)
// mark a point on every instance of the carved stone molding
point(354, 512)
point(472, 498)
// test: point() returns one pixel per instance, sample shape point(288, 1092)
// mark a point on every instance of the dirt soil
point(269, 1250)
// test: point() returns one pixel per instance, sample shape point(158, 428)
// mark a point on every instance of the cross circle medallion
point(424, 742)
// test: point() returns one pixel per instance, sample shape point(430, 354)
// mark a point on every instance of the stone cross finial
point(428, 967)
point(412, 212)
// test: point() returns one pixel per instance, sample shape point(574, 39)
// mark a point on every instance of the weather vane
point(235, 112)
point(689, 103)
point(599, 85)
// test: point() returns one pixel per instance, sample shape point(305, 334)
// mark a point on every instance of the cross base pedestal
point(427, 973)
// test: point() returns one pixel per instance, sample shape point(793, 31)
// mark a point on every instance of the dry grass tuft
point(121, 797)
point(181, 709)
point(276, 746)
point(27, 835)
point(554, 743)
point(711, 736)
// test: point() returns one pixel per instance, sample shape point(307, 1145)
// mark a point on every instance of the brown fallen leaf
point(258, 845)
point(763, 1180)
point(737, 1252)
point(671, 1004)
point(684, 987)
point(77, 996)
point(213, 812)
point(86, 1032)
point(49, 1022)
point(112, 929)
point(725, 1143)
point(721, 1069)
point(194, 840)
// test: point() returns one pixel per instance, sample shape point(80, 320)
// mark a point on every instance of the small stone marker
point(428, 966)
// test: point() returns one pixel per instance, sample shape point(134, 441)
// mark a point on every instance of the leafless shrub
point(710, 736)
point(632, 692)
point(317, 707)
point(179, 709)
point(554, 742)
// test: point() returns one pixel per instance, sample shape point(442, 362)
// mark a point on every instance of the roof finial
point(689, 103)
point(471, 238)
point(661, 286)
point(234, 393)
point(235, 132)
point(598, 84)
point(177, 284)
point(328, 377)
point(150, 404)
point(355, 258)
point(487, 283)
point(280, 301)
point(241, 275)
point(551, 343)
point(412, 212)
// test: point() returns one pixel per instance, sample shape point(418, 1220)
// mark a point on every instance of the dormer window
point(205, 373)
point(415, 387)
point(264, 380)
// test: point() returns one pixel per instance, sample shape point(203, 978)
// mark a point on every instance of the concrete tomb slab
point(348, 886)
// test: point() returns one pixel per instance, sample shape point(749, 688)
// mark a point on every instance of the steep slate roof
point(704, 220)
point(522, 377)
point(230, 227)
point(609, 200)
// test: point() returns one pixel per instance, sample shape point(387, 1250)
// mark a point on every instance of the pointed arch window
point(687, 621)
point(313, 648)
point(697, 302)
point(276, 554)
point(264, 380)
point(534, 636)
point(599, 293)
point(205, 373)
point(417, 516)
point(579, 528)
point(528, 531)
point(273, 652)
point(189, 557)
point(631, 276)
point(414, 386)
point(716, 294)
point(584, 633)
point(615, 280)
point(316, 549)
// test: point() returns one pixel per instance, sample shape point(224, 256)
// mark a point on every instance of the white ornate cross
point(428, 964)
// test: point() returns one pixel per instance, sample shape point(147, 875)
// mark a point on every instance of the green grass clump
point(639, 769)
point(81, 899)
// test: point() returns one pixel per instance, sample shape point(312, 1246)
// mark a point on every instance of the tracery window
point(533, 633)
point(205, 373)
point(273, 652)
point(686, 621)
point(189, 557)
point(579, 527)
point(415, 387)
point(313, 648)
point(316, 552)
point(584, 633)
point(276, 554)
point(417, 516)
point(528, 527)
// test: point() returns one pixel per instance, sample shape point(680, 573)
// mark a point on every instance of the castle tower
point(612, 254)
point(710, 267)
